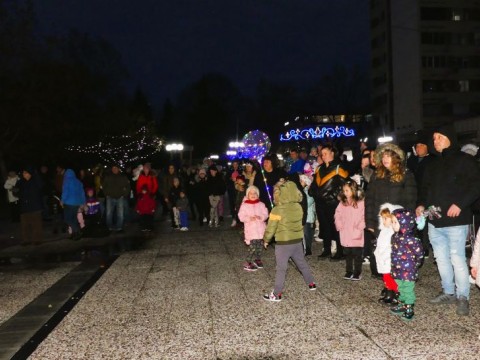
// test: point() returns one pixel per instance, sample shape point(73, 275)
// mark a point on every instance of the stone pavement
point(184, 295)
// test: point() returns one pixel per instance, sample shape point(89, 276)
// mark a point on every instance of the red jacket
point(145, 205)
point(150, 181)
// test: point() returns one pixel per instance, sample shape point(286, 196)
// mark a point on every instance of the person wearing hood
point(391, 183)
point(73, 196)
point(451, 183)
point(285, 223)
point(406, 258)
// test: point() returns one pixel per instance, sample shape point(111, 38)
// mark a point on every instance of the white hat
point(307, 180)
point(470, 149)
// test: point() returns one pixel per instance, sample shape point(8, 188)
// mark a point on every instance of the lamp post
point(171, 148)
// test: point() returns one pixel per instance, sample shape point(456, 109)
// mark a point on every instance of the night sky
point(168, 44)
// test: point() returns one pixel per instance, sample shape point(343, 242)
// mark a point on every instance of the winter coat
point(216, 185)
point(475, 260)
point(72, 189)
point(146, 204)
point(383, 250)
point(150, 181)
point(264, 180)
point(92, 206)
point(327, 183)
point(407, 250)
point(116, 186)
point(453, 177)
point(253, 229)
point(30, 194)
point(240, 193)
point(182, 204)
point(9, 185)
point(285, 220)
point(382, 191)
point(350, 223)
point(311, 215)
point(174, 195)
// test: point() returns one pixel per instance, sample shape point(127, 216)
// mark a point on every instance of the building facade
point(425, 65)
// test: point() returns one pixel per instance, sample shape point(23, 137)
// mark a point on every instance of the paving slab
point(186, 296)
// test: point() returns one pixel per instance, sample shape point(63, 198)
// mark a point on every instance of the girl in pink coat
point(350, 223)
point(253, 213)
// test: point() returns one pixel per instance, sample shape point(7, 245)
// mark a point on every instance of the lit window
point(456, 15)
point(464, 86)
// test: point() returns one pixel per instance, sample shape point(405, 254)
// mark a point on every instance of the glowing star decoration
point(257, 144)
point(317, 133)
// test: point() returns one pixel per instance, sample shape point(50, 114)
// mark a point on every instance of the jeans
point(308, 231)
point(448, 245)
point(115, 204)
point(70, 216)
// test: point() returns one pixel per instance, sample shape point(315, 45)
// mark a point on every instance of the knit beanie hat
point(470, 149)
point(254, 189)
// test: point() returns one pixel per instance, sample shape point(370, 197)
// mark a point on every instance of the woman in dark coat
point(327, 183)
point(392, 183)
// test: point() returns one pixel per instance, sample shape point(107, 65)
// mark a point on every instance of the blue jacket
point(72, 190)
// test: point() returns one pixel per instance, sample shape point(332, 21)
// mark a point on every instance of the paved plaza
point(185, 295)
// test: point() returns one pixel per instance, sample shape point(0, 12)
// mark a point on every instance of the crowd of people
point(370, 210)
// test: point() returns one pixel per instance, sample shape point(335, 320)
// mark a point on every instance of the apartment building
point(425, 65)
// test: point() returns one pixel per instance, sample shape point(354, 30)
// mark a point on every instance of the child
point(253, 213)
point(383, 253)
point(285, 223)
point(407, 254)
point(145, 208)
point(350, 223)
point(183, 207)
point(308, 228)
point(92, 208)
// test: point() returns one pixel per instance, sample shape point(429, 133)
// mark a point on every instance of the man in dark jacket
point(451, 183)
point(116, 188)
point(31, 206)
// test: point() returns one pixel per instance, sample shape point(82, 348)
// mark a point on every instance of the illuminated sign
point(317, 133)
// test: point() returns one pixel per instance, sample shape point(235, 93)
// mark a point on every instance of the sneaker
point(348, 276)
point(408, 313)
point(443, 299)
point(259, 264)
point(356, 277)
point(272, 297)
point(398, 309)
point(366, 260)
point(183, 228)
point(463, 308)
point(249, 267)
point(234, 223)
point(312, 286)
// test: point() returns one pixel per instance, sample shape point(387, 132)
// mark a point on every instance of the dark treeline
point(58, 91)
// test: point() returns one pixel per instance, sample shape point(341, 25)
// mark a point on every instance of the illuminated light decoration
point(214, 157)
point(124, 149)
point(317, 133)
point(174, 147)
point(385, 139)
point(231, 153)
point(257, 145)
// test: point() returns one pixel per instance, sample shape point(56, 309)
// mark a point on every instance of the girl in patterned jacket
point(253, 213)
point(407, 254)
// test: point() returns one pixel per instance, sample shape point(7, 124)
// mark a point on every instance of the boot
point(389, 297)
point(398, 309)
point(395, 298)
point(383, 293)
point(408, 313)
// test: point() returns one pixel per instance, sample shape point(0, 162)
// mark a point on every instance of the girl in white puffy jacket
point(383, 252)
point(253, 213)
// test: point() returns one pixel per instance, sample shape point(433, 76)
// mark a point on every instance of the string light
point(317, 133)
point(123, 149)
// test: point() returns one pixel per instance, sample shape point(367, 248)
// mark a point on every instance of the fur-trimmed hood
point(388, 206)
point(388, 146)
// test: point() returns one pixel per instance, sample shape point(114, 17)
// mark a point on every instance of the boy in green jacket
point(285, 223)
